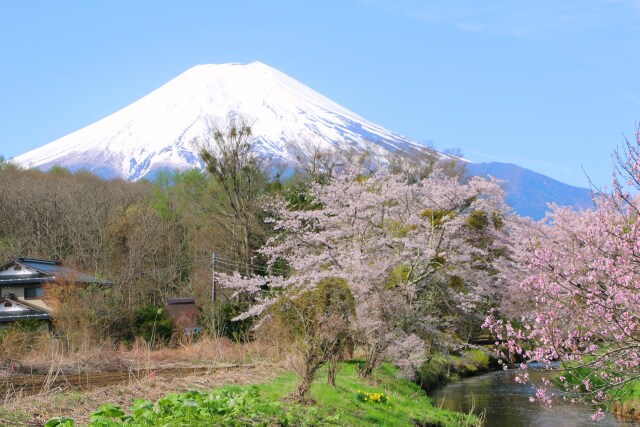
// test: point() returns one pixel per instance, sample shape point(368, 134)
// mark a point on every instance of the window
point(33, 293)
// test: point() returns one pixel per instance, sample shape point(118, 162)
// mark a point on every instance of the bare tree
point(417, 165)
point(315, 160)
point(229, 155)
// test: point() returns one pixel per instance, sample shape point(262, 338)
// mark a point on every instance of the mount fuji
point(157, 131)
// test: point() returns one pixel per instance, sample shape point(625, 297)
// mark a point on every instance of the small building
point(184, 313)
point(22, 288)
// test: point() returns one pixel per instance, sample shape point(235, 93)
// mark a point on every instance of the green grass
point(17, 418)
point(407, 405)
point(626, 400)
point(442, 369)
point(634, 391)
point(266, 404)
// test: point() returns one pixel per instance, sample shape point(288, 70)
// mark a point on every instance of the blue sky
point(549, 85)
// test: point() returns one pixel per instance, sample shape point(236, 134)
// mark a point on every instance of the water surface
point(506, 403)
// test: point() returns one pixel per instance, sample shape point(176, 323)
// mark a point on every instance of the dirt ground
point(37, 409)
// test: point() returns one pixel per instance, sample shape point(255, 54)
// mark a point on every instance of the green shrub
point(477, 358)
point(236, 330)
point(434, 372)
point(153, 324)
point(471, 368)
point(27, 325)
point(477, 220)
point(444, 368)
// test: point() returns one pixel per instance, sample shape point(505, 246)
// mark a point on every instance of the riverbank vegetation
point(624, 400)
point(442, 369)
point(193, 403)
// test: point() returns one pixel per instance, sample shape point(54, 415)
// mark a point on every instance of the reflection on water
point(506, 403)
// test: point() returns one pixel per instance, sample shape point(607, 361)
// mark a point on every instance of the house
point(22, 288)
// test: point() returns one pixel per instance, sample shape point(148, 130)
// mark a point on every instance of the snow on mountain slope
point(157, 131)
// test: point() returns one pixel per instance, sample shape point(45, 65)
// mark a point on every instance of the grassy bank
point(391, 402)
point(626, 402)
point(442, 369)
point(629, 403)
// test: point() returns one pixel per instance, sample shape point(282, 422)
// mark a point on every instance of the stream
point(505, 403)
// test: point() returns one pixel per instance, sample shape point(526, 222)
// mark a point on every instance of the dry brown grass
point(97, 358)
point(209, 350)
point(37, 409)
point(38, 354)
point(144, 373)
point(627, 409)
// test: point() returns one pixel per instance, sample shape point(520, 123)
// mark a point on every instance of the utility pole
point(213, 277)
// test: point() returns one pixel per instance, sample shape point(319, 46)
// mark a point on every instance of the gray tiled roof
point(47, 271)
point(30, 311)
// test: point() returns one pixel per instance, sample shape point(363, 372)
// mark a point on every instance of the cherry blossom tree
point(584, 293)
point(417, 257)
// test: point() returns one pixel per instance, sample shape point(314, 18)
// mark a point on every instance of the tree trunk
point(301, 395)
point(371, 362)
point(332, 368)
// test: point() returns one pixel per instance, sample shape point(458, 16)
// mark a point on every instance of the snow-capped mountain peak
point(157, 131)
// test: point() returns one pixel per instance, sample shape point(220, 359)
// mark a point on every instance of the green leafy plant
point(60, 422)
point(219, 408)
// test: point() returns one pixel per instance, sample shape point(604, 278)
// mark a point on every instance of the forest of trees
point(153, 240)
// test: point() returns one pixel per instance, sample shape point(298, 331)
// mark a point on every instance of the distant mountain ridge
point(156, 132)
point(529, 192)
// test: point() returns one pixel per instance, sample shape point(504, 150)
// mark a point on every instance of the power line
point(237, 264)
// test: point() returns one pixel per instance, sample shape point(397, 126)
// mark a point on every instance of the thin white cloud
point(516, 18)
point(633, 4)
point(631, 97)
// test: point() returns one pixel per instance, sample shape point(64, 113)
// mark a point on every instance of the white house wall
point(22, 271)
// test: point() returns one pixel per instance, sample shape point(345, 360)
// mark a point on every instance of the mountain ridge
point(529, 192)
